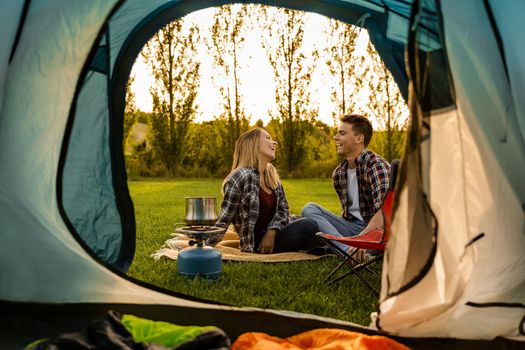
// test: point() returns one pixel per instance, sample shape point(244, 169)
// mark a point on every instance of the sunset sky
point(256, 74)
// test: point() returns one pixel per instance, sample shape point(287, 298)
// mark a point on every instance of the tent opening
point(225, 63)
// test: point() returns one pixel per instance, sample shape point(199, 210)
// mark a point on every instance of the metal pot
point(201, 211)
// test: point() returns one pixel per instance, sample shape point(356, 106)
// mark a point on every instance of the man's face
point(347, 141)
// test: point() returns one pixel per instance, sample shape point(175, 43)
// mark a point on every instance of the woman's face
point(267, 146)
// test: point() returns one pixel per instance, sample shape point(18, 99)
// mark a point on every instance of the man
point(360, 180)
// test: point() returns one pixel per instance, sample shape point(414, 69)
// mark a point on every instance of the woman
point(254, 201)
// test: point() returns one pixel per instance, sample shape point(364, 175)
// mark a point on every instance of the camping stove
point(198, 259)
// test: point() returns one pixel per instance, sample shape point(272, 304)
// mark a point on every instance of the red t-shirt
point(267, 206)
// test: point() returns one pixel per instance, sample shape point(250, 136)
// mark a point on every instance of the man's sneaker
point(361, 255)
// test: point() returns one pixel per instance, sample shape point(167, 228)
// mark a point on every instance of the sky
point(256, 75)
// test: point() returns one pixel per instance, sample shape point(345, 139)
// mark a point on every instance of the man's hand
point(377, 222)
point(267, 242)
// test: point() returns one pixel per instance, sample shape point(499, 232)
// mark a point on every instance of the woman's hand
point(267, 242)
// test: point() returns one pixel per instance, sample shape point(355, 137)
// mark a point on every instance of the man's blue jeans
point(333, 224)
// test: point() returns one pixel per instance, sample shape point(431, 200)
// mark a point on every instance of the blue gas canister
point(198, 259)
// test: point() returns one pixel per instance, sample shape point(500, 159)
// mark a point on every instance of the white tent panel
point(462, 272)
point(443, 284)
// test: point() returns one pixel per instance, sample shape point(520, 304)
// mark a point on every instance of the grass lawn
point(295, 286)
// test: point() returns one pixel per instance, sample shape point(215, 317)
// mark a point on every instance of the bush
point(388, 146)
point(321, 169)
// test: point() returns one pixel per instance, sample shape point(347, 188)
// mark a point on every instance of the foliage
point(138, 155)
point(143, 117)
point(387, 106)
point(204, 156)
point(178, 146)
point(320, 159)
point(366, 77)
point(345, 65)
point(130, 116)
point(293, 70)
point(205, 149)
point(392, 140)
point(296, 286)
point(225, 43)
point(171, 56)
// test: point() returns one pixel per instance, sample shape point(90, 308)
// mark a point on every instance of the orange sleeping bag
point(317, 339)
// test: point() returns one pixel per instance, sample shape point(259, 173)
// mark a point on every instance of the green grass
point(295, 286)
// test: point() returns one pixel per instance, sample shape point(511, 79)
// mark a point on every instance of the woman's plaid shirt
point(372, 173)
point(240, 207)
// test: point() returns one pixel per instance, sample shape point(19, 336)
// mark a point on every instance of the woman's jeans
point(297, 235)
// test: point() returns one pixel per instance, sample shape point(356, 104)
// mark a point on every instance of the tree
point(387, 106)
point(344, 64)
point(130, 111)
point(283, 43)
point(226, 41)
point(204, 154)
point(171, 56)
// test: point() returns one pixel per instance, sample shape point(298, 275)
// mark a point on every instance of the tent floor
point(23, 323)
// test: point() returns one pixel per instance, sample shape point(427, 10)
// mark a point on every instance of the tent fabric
point(9, 27)
point(454, 265)
point(469, 238)
point(514, 52)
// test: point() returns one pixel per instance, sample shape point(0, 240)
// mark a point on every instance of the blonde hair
point(246, 154)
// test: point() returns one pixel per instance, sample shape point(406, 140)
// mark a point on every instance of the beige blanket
point(229, 248)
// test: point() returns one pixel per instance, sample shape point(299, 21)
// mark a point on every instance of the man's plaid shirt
point(372, 173)
point(240, 207)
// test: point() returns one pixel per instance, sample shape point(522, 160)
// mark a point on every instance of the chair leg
point(342, 255)
point(345, 257)
point(334, 270)
point(355, 270)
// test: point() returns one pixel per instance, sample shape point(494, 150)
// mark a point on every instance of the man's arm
point(380, 174)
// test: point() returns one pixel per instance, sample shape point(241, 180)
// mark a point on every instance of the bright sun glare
point(256, 74)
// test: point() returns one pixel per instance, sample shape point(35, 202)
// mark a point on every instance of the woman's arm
point(282, 212)
point(229, 207)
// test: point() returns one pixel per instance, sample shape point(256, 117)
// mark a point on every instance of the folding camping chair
point(375, 239)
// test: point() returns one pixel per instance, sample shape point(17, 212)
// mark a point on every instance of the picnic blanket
point(229, 248)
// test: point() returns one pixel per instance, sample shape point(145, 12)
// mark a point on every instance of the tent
point(454, 270)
